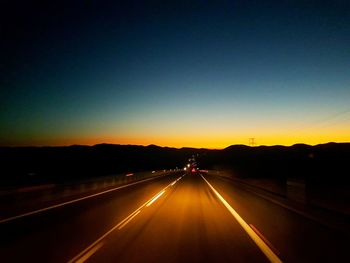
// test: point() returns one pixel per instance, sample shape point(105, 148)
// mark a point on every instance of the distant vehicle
point(194, 170)
point(191, 167)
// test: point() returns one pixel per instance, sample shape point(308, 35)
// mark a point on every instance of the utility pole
point(252, 142)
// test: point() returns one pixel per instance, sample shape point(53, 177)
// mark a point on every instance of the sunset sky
point(191, 73)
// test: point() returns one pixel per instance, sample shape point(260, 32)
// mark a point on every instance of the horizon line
point(161, 146)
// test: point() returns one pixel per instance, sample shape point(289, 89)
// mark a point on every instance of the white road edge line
point(90, 253)
point(258, 241)
point(127, 219)
point(75, 200)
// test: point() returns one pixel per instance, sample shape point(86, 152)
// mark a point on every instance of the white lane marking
point(75, 200)
point(90, 253)
point(127, 221)
point(138, 210)
point(86, 250)
point(178, 179)
point(258, 241)
point(155, 198)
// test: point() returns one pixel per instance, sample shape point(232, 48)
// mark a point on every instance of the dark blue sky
point(188, 73)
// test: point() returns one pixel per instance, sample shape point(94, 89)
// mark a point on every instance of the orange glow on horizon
point(200, 141)
point(201, 135)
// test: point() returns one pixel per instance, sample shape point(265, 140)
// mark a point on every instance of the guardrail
point(41, 194)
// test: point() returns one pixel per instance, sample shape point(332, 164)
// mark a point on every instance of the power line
point(252, 142)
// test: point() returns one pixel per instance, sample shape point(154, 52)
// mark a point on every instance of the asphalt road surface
point(177, 218)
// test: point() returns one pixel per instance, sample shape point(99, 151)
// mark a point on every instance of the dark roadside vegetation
point(321, 165)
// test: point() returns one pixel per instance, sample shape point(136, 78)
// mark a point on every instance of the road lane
point(254, 234)
point(169, 220)
point(187, 223)
point(297, 238)
point(87, 251)
point(59, 234)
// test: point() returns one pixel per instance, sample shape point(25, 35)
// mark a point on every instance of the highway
point(175, 218)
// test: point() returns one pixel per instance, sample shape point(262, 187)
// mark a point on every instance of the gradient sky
point(187, 73)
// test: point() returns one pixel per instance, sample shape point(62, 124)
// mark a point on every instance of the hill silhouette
point(319, 164)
